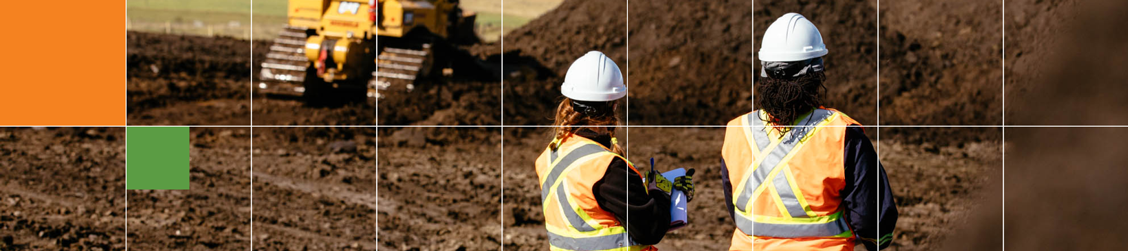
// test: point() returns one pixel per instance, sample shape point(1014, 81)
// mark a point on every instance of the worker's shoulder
point(737, 121)
point(843, 116)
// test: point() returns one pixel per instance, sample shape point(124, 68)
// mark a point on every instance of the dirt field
point(315, 189)
point(187, 80)
point(214, 214)
point(192, 80)
point(440, 189)
point(63, 189)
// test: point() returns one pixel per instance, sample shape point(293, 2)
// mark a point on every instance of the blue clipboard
point(679, 212)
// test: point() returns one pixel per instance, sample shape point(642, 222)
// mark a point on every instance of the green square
point(156, 158)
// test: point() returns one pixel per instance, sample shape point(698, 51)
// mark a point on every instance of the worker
point(587, 187)
point(797, 175)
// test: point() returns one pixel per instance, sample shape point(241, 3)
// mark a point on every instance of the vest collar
point(602, 139)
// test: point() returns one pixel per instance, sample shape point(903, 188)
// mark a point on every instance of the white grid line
point(1003, 123)
point(877, 174)
point(125, 121)
point(252, 185)
point(501, 130)
point(251, 99)
point(554, 126)
point(627, 129)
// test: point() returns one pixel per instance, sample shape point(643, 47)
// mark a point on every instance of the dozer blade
point(397, 69)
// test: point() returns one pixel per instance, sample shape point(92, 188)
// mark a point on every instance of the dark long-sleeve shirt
point(649, 212)
point(859, 196)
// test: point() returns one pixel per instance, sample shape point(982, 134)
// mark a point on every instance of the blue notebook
point(679, 212)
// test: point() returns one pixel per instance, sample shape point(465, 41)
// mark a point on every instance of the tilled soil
point(440, 189)
point(214, 214)
point(192, 80)
point(937, 188)
point(315, 189)
point(187, 80)
point(63, 189)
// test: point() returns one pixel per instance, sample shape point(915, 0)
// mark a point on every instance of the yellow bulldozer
point(335, 50)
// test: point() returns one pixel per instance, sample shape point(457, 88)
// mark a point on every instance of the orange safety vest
point(786, 190)
point(571, 214)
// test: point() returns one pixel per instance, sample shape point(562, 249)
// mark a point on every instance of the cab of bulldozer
point(333, 18)
point(397, 18)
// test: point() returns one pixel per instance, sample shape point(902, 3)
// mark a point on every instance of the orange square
point(63, 63)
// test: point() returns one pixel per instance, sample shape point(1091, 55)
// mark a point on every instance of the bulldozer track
point(284, 68)
point(397, 68)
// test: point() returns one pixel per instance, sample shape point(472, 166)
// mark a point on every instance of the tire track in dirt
point(319, 188)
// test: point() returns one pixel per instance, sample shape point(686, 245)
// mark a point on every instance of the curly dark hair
point(785, 99)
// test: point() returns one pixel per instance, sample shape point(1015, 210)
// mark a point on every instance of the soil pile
point(1060, 56)
point(685, 72)
point(941, 65)
point(1058, 67)
point(553, 41)
point(691, 61)
point(63, 189)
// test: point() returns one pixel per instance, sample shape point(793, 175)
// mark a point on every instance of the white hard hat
point(791, 38)
point(593, 77)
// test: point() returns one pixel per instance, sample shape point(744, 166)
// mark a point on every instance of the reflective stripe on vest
point(770, 157)
point(617, 240)
point(827, 226)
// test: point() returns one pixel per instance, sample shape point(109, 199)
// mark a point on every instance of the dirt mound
point(941, 66)
point(684, 72)
point(690, 61)
point(1052, 43)
point(1058, 67)
point(553, 40)
point(941, 63)
point(63, 189)
point(314, 188)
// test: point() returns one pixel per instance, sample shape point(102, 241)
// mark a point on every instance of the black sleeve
point(727, 186)
point(860, 196)
point(649, 213)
